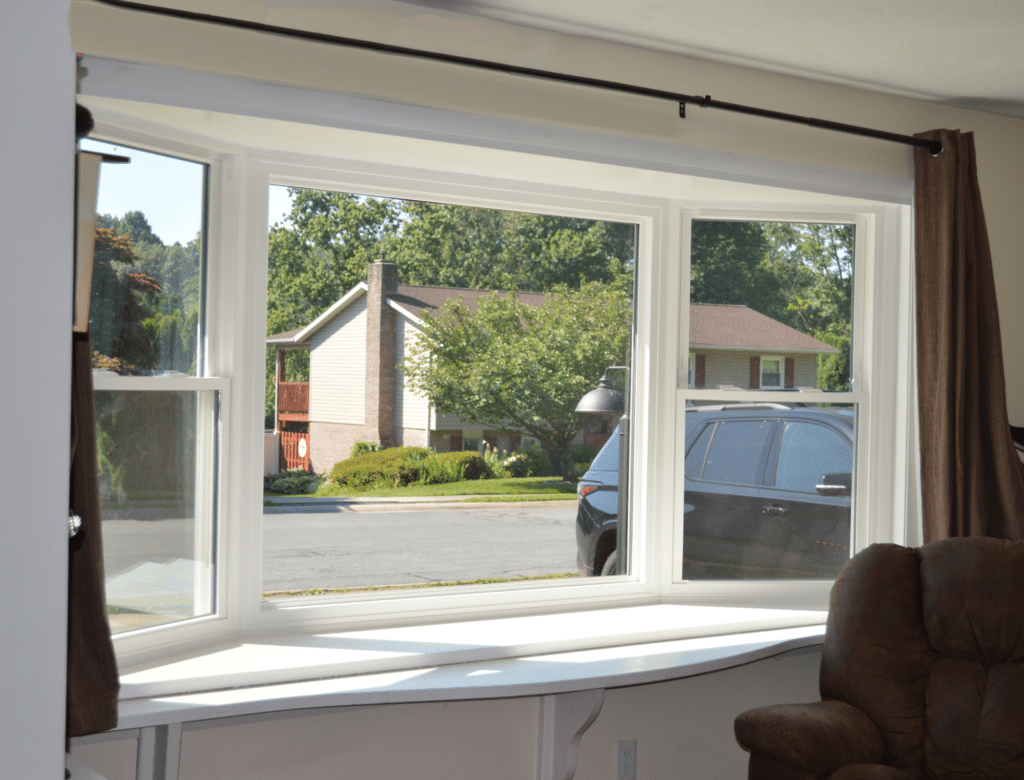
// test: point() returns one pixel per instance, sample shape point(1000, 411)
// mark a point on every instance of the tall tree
point(462, 246)
point(516, 366)
point(121, 299)
point(727, 265)
point(814, 266)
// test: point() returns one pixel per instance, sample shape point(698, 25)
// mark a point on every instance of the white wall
point(37, 74)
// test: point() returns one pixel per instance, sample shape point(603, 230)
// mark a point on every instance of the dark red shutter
point(699, 369)
point(755, 372)
point(790, 372)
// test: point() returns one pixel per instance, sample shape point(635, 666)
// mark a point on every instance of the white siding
point(410, 406)
point(337, 370)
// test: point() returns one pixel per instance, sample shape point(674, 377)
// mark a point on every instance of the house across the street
point(356, 389)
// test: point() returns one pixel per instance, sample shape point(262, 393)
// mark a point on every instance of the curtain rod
point(934, 147)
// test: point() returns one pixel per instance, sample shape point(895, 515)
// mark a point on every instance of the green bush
point(394, 466)
point(444, 467)
point(494, 464)
point(584, 453)
point(528, 462)
point(292, 482)
point(364, 447)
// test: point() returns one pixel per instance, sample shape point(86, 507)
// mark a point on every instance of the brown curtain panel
point(92, 668)
point(971, 478)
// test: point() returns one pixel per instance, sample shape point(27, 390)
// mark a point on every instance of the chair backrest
point(930, 644)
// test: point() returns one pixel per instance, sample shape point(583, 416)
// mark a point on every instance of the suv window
point(809, 451)
point(735, 453)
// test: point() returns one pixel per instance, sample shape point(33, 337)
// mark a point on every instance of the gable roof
point(415, 300)
point(411, 300)
point(725, 326)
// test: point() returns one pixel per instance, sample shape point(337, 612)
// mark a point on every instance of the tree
point(521, 367)
point(486, 249)
point(727, 265)
point(814, 266)
point(121, 298)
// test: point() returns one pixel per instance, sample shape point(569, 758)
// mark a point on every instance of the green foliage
point(292, 482)
point(328, 239)
point(363, 447)
point(529, 462)
point(584, 453)
point(145, 445)
point(494, 463)
point(121, 298)
point(727, 265)
point(834, 370)
point(145, 297)
point(485, 249)
point(515, 366)
point(400, 466)
point(377, 468)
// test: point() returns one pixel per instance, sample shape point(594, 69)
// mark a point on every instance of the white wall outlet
point(625, 759)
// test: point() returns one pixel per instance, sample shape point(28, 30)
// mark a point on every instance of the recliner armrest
point(818, 738)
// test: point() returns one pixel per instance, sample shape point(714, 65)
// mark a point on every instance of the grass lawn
point(520, 489)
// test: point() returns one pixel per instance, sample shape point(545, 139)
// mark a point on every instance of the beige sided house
point(737, 347)
point(356, 389)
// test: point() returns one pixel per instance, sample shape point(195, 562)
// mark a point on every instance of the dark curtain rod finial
point(935, 147)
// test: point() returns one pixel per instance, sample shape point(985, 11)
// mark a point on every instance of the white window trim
point(238, 212)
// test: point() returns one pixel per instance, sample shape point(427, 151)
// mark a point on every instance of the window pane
point(771, 304)
point(735, 454)
point(777, 503)
point(146, 307)
point(156, 459)
point(447, 330)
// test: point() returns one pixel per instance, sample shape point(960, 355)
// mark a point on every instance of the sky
point(169, 191)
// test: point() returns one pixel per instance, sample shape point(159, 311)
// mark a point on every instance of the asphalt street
point(322, 547)
point(332, 545)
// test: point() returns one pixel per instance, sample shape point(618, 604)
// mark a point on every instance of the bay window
point(209, 421)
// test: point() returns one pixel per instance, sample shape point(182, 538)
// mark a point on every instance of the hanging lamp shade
point(604, 399)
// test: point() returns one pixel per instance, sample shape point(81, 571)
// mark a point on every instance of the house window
point(157, 413)
point(771, 372)
point(405, 320)
point(849, 367)
point(768, 484)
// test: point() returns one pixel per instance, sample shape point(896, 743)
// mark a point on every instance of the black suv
point(767, 495)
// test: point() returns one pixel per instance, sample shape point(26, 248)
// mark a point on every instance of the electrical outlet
point(625, 759)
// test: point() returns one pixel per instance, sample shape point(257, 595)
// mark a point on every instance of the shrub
point(394, 466)
point(528, 462)
point(494, 464)
point(444, 467)
point(292, 482)
point(363, 447)
point(584, 453)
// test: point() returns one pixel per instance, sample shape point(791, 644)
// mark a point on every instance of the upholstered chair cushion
point(922, 672)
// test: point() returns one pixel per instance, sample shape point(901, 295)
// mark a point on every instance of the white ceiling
point(957, 52)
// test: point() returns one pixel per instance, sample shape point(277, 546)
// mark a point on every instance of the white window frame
point(782, 372)
point(236, 313)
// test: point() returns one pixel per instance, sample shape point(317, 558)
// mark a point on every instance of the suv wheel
point(611, 565)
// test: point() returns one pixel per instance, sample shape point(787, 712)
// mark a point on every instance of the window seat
point(524, 656)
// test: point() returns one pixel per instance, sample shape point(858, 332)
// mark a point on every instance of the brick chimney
point(382, 280)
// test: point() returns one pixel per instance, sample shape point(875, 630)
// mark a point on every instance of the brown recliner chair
point(922, 673)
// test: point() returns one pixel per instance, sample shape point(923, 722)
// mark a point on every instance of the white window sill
point(526, 656)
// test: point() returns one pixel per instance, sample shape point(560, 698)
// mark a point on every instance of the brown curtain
point(92, 669)
point(972, 483)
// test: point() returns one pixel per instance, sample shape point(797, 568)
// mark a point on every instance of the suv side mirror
point(835, 485)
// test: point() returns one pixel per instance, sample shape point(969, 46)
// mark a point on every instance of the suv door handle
point(775, 511)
